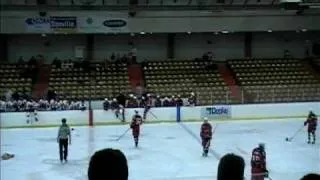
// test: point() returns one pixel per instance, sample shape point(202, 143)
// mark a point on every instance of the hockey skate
point(309, 142)
point(203, 154)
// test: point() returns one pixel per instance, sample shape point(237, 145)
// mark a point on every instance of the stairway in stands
point(229, 79)
point(135, 74)
point(42, 81)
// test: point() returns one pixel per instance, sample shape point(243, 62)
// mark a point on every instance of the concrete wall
point(50, 46)
point(154, 46)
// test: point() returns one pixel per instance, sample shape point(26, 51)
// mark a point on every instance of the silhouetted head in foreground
point(108, 164)
point(231, 167)
point(311, 177)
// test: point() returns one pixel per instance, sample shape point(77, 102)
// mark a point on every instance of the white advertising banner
point(58, 24)
point(100, 24)
point(37, 24)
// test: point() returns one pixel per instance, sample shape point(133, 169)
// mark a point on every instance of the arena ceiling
point(148, 4)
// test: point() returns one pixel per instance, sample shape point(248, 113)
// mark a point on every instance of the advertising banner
point(98, 24)
point(37, 24)
point(216, 112)
point(63, 24)
point(51, 24)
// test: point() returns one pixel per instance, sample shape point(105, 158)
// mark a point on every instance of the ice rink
point(166, 152)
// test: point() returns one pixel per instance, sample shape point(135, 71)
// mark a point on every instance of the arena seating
point(168, 78)
point(98, 82)
point(13, 78)
point(276, 80)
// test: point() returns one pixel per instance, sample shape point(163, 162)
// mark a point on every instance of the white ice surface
point(166, 152)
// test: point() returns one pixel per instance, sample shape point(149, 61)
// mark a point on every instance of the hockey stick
point(153, 115)
point(122, 135)
point(289, 139)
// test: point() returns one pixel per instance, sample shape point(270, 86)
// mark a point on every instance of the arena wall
point(168, 114)
point(154, 46)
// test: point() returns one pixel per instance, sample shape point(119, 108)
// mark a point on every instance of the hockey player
point(64, 135)
point(118, 109)
point(106, 104)
point(312, 126)
point(7, 156)
point(147, 107)
point(192, 99)
point(135, 126)
point(258, 163)
point(166, 102)
point(179, 101)
point(158, 102)
point(206, 136)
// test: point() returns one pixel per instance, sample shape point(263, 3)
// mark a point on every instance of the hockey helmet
point(64, 120)
point(205, 119)
point(261, 146)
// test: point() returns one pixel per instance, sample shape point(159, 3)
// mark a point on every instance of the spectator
point(230, 167)
point(20, 60)
point(113, 57)
point(311, 177)
point(287, 54)
point(108, 164)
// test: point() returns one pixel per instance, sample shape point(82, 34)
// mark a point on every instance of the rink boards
point(165, 114)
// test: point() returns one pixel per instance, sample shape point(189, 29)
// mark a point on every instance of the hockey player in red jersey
point(258, 163)
point(206, 136)
point(312, 126)
point(135, 126)
point(147, 106)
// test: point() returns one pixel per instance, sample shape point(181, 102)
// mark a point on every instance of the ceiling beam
point(273, 1)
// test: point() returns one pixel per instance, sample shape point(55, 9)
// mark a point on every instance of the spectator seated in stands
point(108, 164)
point(230, 167)
point(132, 102)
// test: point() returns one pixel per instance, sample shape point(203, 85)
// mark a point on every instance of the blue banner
point(54, 23)
point(216, 112)
point(63, 24)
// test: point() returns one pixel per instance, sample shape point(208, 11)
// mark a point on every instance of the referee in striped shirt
point(63, 136)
